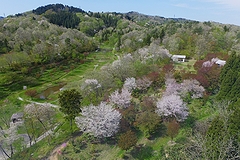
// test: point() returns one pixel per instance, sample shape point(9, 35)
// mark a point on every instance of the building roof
point(220, 62)
point(179, 56)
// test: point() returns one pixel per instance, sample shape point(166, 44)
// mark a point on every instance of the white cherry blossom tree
point(130, 84)
point(172, 106)
point(100, 121)
point(192, 86)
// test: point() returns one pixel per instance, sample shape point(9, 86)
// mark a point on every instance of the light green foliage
point(90, 25)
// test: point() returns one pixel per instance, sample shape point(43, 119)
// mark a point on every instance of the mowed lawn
point(186, 66)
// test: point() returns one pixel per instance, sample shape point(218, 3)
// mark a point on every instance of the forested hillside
point(90, 85)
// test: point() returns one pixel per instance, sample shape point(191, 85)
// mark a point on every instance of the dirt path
point(57, 151)
point(52, 105)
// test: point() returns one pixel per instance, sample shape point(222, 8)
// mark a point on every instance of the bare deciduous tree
point(43, 113)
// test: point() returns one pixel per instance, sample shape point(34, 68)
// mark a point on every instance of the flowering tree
point(8, 138)
point(210, 63)
point(91, 85)
point(143, 83)
point(172, 87)
point(41, 112)
point(122, 100)
point(100, 121)
point(130, 84)
point(123, 67)
point(172, 106)
point(192, 86)
point(35, 114)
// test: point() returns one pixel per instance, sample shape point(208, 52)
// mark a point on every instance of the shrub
point(31, 92)
point(148, 122)
point(127, 140)
point(172, 128)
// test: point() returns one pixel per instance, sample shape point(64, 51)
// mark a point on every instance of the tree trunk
point(4, 151)
point(44, 128)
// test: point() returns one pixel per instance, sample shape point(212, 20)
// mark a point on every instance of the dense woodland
point(121, 96)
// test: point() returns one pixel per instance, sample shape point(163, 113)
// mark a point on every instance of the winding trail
point(52, 105)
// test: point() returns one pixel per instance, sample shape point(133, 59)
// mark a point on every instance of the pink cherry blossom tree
point(121, 99)
point(143, 83)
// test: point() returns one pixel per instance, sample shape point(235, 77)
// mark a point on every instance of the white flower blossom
point(122, 100)
point(100, 121)
point(130, 84)
point(172, 106)
point(192, 86)
point(143, 83)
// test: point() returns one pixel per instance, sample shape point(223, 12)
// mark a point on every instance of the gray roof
point(18, 115)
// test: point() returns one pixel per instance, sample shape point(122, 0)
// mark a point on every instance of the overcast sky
point(223, 11)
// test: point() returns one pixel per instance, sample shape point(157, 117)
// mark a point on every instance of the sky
point(222, 11)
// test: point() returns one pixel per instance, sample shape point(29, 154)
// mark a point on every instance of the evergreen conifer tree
point(227, 66)
point(235, 90)
point(227, 84)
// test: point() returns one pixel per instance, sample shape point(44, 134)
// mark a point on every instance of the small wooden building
point(178, 58)
point(17, 117)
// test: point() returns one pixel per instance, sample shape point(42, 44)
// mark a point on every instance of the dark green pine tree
point(234, 93)
point(216, 136)
point(236, 64)
point(234, 119)
point(227, 84)
point(229, 65)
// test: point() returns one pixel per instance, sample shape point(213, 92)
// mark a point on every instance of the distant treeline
point(56, 8)
point(60, 14)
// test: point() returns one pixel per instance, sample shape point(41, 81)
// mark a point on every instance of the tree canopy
point(70, 104)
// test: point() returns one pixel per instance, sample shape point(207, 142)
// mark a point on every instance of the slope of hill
point(121, 65)
point(138, 17)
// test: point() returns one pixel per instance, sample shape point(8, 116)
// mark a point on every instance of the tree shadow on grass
point(160, 132)
point(142, 152)
point(189, 122)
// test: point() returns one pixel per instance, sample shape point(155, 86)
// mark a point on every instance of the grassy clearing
point(187, 66)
